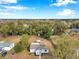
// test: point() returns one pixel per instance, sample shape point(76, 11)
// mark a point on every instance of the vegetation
point(59, 28)
point(44, 28)
point(22, 44)
point(63, 46)
point(75, 24)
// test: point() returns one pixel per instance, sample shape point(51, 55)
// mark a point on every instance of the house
point(6, 46)
point(38, 48)
point(74, 30)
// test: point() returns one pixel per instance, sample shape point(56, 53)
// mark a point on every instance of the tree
point(12, 28)
point(4, 30)
point(22, 44)
point(18, 48)
point(59, 28)
point(24, 40)
point(46, 32)
point(74, 25)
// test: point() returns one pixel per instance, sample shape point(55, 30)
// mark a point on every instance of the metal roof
point(38, 46)
point(74, 29)
point(4, 44)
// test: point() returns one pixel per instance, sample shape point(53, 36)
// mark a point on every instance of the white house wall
point(12, 45)
point(6, 48)
point(32, 50)
point(38, 52)
point(43, 51)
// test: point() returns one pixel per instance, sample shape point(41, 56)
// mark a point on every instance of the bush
point(18, 48)
point(22, 44)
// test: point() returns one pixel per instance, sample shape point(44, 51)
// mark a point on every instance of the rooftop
point(37, 46)
point(74, 29)
point(4, 44)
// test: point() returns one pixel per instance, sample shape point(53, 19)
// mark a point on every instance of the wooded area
point(63, 46)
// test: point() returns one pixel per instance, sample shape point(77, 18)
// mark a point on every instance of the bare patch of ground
point(13, 39)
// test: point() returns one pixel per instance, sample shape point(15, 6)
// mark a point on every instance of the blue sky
point(39, 9)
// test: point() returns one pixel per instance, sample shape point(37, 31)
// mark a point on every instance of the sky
point(39, 9)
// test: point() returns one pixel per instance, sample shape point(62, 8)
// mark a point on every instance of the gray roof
point(74, 29)
point(5, 44)
point(38, 46)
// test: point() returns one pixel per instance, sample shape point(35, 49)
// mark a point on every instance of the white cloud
point(66, 12)
point(6, 14)
point(7, 1)
point(63, 2)
point(15, 7)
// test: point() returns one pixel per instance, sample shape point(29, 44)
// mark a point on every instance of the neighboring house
point(38, 48)
point(74, 30)
point(6, 46)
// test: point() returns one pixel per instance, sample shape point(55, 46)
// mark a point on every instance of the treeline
point(40, 27)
